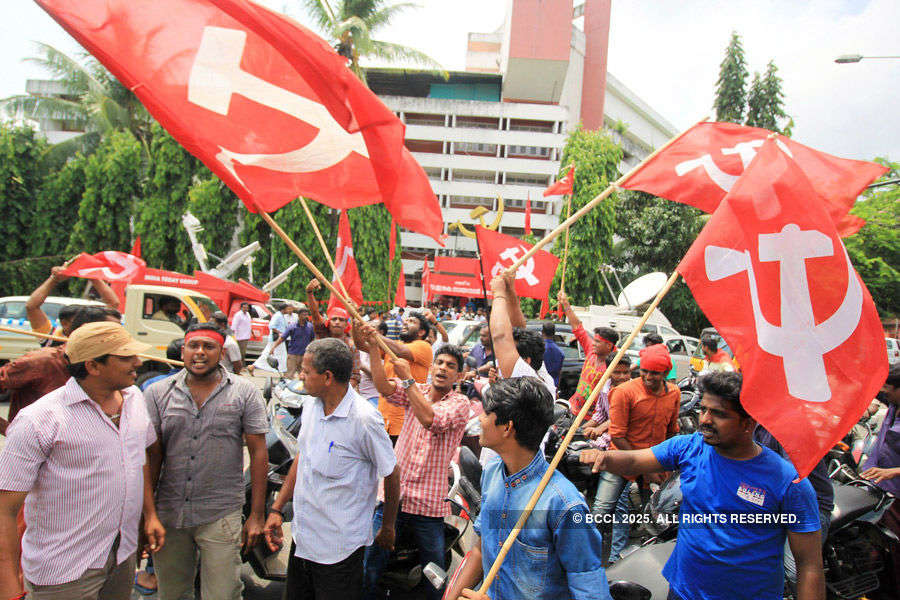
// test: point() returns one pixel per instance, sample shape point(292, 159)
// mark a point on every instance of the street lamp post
point(855, 58)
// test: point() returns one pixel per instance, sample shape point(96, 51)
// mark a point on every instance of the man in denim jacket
point(557, 553)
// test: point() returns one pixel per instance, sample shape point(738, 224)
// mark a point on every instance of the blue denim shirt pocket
point(529, 563)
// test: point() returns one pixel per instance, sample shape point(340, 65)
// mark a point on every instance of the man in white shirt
point(232, 358)
point(240, 325)
point(343, 451)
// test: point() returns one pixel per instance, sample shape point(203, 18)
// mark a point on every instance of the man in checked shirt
point(433, 427)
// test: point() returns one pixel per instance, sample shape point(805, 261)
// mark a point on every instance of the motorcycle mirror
point(628, 590)
point(436, 575)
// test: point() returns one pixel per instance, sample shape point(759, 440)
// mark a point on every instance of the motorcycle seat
point(850, 503)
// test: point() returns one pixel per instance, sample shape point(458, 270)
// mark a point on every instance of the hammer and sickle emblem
point(526, 271)
point(798, 341)
point(346, 255)
point(745, 150)
point(216, 76)
point(128, 263)
point(478, 213)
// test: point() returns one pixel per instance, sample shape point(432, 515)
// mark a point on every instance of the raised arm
point(501, 327)
point(106, 293)
point(314, 315)
point(567, 308)
point(36, 317)
point(515, 307)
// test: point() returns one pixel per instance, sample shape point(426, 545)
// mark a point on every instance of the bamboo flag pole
point(325, 250)
point(495, 568)
point(318, 274)
point(59, 338)
point(562, 285)
point(564, 226)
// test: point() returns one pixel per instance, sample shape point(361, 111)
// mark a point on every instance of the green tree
point(655, 235)
point(596, 157)
point(57, 207)
point(170, 173)
point(731, 87)
point(875, 249)
point(370, 227)
point(351, 24)
point(765, 101)
point(112, 185)
point(20, 178)
point(93, 101)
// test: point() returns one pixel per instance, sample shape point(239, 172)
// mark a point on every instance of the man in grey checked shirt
point(200, 416)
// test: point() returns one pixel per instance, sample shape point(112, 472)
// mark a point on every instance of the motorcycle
point(854, 552)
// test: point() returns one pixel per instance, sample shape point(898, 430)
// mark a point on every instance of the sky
point(667, 52)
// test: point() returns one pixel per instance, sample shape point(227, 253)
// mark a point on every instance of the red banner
point(774, 278)
point(455, 264)
point(108, 266)
point(455, 285)
point(266, 104)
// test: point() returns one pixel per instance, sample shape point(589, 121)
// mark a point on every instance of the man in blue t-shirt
point(740, 502)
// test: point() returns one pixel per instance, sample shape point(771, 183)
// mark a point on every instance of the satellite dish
point(642, 290)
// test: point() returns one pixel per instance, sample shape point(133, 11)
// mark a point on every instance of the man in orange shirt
point(414, 349)
point(642, 413)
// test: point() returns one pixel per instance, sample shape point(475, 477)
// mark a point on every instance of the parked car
point(12, 314)
point(463, 332)
point(678, 350)
point(893, 350)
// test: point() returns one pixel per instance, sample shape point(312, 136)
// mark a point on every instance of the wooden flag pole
point(495, 568)
point(325, 250)
point(562, 285)
point(59, 338)
point(318, 274)
point(564, 226)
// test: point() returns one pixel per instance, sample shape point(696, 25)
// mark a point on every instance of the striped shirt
point(84, 478)
point(424, 454)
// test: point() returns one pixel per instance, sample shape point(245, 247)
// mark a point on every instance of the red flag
point(528, 215)
point(500, 251)
point(700, 167)
point(136, 248)
point(108, 266)
point(545, 308)
point(392, 241)
point(774, 278)
point(266, 104)
point(400, 296)
point(563, 186)
point(345, 265)
point(426, 282)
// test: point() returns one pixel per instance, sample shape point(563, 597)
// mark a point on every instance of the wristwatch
point(405, 383)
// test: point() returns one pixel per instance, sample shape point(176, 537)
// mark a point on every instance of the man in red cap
point(336, 326)
point(642, 413)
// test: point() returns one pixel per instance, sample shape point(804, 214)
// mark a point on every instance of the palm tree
point(351, 27)
point(93, 101)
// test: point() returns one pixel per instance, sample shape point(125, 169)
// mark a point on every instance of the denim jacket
point(557, 554)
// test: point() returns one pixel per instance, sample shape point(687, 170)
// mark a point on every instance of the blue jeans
point(428, 533)
point(612, 499)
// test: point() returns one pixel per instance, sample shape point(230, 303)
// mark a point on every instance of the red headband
point(207, 333)
point(339, 312)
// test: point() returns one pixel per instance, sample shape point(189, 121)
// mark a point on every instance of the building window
point(478, 122)
point(516, 205)
point(516, 231)
point(425, 119)
point(473, 176)
point(527, 179)
point(429, 146)
point(467, 202)
point(539, 152)
point(433, 173)
point(531, 125)
point(475, 148)
point(412, 279)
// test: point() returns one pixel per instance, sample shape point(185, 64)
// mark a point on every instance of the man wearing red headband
point(202, 415)
point(642, 413)
point(336, 326)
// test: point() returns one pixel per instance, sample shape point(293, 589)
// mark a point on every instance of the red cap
point(656, 358)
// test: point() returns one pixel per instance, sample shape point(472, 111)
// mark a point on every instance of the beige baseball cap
point(96, 339)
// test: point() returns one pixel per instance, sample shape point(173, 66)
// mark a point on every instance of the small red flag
point(345, 267)
point(528, 215)
point(136, 248)
point(545, 308)
point(392, 241)
point(500, 251)
point(400, 296)
point(108, 266)
point(702, 166)
point(265, 103)
point(563, 186)
point(426, 282)
point(774, 278)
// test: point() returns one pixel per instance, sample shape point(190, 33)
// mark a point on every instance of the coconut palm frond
point(64, 68)
point(399, 53)
point(43, 107)
point(361, 40)
point(321, 14)
point(57, 154)
point(384, 15)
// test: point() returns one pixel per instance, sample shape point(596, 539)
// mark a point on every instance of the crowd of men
point(95, 472)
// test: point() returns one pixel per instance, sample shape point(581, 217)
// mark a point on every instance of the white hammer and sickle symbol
point(526, 271)
point(799, 341)
point(216, 75)
point(746, 150)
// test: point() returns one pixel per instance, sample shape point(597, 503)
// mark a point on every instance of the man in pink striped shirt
point(76, 458)
point(433, 427)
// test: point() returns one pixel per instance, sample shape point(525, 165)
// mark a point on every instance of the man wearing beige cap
point(76, 458)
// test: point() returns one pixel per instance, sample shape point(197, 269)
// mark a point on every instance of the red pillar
point(596, 31)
